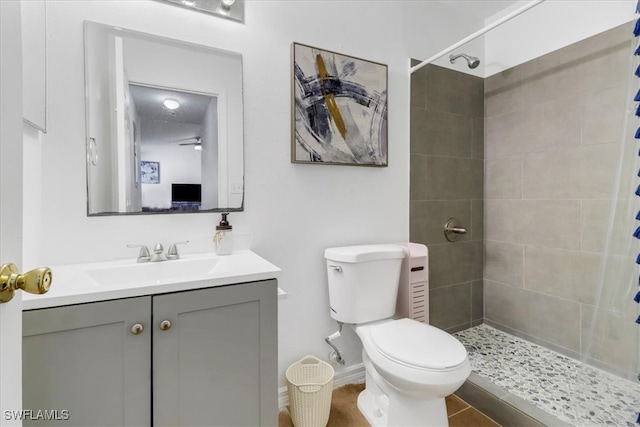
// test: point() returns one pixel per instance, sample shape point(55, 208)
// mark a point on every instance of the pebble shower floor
point(562, 386)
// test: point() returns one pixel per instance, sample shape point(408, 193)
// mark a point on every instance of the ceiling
point(158, 125)
point(482, 9)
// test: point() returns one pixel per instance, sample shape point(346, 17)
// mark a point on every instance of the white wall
point(209, 156)
point(293, 211)
point(424, 39)
point(550, 26)
point(546, 27)
point(179, 164)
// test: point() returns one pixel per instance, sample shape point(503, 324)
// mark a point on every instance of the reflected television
point(186, 196)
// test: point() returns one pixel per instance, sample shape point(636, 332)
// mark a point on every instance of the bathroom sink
point(139, 274)
point(106, 280)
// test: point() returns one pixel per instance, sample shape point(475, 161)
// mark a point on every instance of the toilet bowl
point(410, 366)
point(416, 358)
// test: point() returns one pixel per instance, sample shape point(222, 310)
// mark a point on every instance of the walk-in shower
point(549, 268)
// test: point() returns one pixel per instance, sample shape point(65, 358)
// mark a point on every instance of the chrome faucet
point(172, 253)
point(158, 252)
point(143, 255)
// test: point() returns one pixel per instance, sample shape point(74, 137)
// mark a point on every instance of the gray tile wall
point(551, 131)
point(447, 168)
point(525, 159)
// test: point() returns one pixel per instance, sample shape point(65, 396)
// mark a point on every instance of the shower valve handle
point(453, 230)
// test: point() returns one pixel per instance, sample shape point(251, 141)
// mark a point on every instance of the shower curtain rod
point(476, 34)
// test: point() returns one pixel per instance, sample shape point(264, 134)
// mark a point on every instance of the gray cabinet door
point(84, 359)
point(217, 363)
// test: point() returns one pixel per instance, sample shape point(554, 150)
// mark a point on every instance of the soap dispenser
point(223, 238)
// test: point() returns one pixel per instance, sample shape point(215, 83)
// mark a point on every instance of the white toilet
point(410, 366)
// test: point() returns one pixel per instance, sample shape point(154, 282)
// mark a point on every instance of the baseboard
point(354, 374)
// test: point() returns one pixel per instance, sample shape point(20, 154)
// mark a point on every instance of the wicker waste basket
point(309, 384)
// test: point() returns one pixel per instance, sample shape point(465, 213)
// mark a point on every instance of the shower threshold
point(519, 383)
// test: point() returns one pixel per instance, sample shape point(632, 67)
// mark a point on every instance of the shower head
point(472, 61)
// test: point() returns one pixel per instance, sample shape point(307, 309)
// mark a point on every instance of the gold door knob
point(137, 329)
point(36, 281)
point(165, 325)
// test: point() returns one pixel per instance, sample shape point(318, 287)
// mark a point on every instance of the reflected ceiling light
point(189, 3)
point(197, 147)
point(171, 104)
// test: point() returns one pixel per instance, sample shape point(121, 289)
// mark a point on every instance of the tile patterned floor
point(463, 415)
point(344, 411)
point(562, 386)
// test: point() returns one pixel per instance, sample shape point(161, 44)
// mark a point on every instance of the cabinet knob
point(137, 329)
point(165, 325)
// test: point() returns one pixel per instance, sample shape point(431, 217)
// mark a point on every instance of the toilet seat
point(417, 345)
point(409, 367)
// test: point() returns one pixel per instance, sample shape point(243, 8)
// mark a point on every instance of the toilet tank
point(363, 281)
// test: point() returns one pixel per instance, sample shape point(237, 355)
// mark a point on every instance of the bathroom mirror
point(164, 124)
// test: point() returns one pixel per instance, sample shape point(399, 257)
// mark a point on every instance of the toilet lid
point(413, 343)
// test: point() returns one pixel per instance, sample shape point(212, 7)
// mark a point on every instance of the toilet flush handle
point(336, 268)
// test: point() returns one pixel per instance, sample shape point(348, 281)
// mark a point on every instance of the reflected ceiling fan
point(195, 141)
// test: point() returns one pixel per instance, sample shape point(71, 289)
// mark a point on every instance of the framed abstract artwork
point(339, 109)
point(149, 172)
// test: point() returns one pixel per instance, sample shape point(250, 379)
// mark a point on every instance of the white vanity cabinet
point(205, 357)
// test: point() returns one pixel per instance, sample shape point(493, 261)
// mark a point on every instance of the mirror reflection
point(164, 124)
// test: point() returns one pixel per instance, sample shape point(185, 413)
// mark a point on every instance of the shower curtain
point(613, 341)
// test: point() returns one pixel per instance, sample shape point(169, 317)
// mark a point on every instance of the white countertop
point(90, 282)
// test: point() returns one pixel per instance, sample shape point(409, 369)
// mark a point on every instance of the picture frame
point(339, 109)
point(149, 172)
